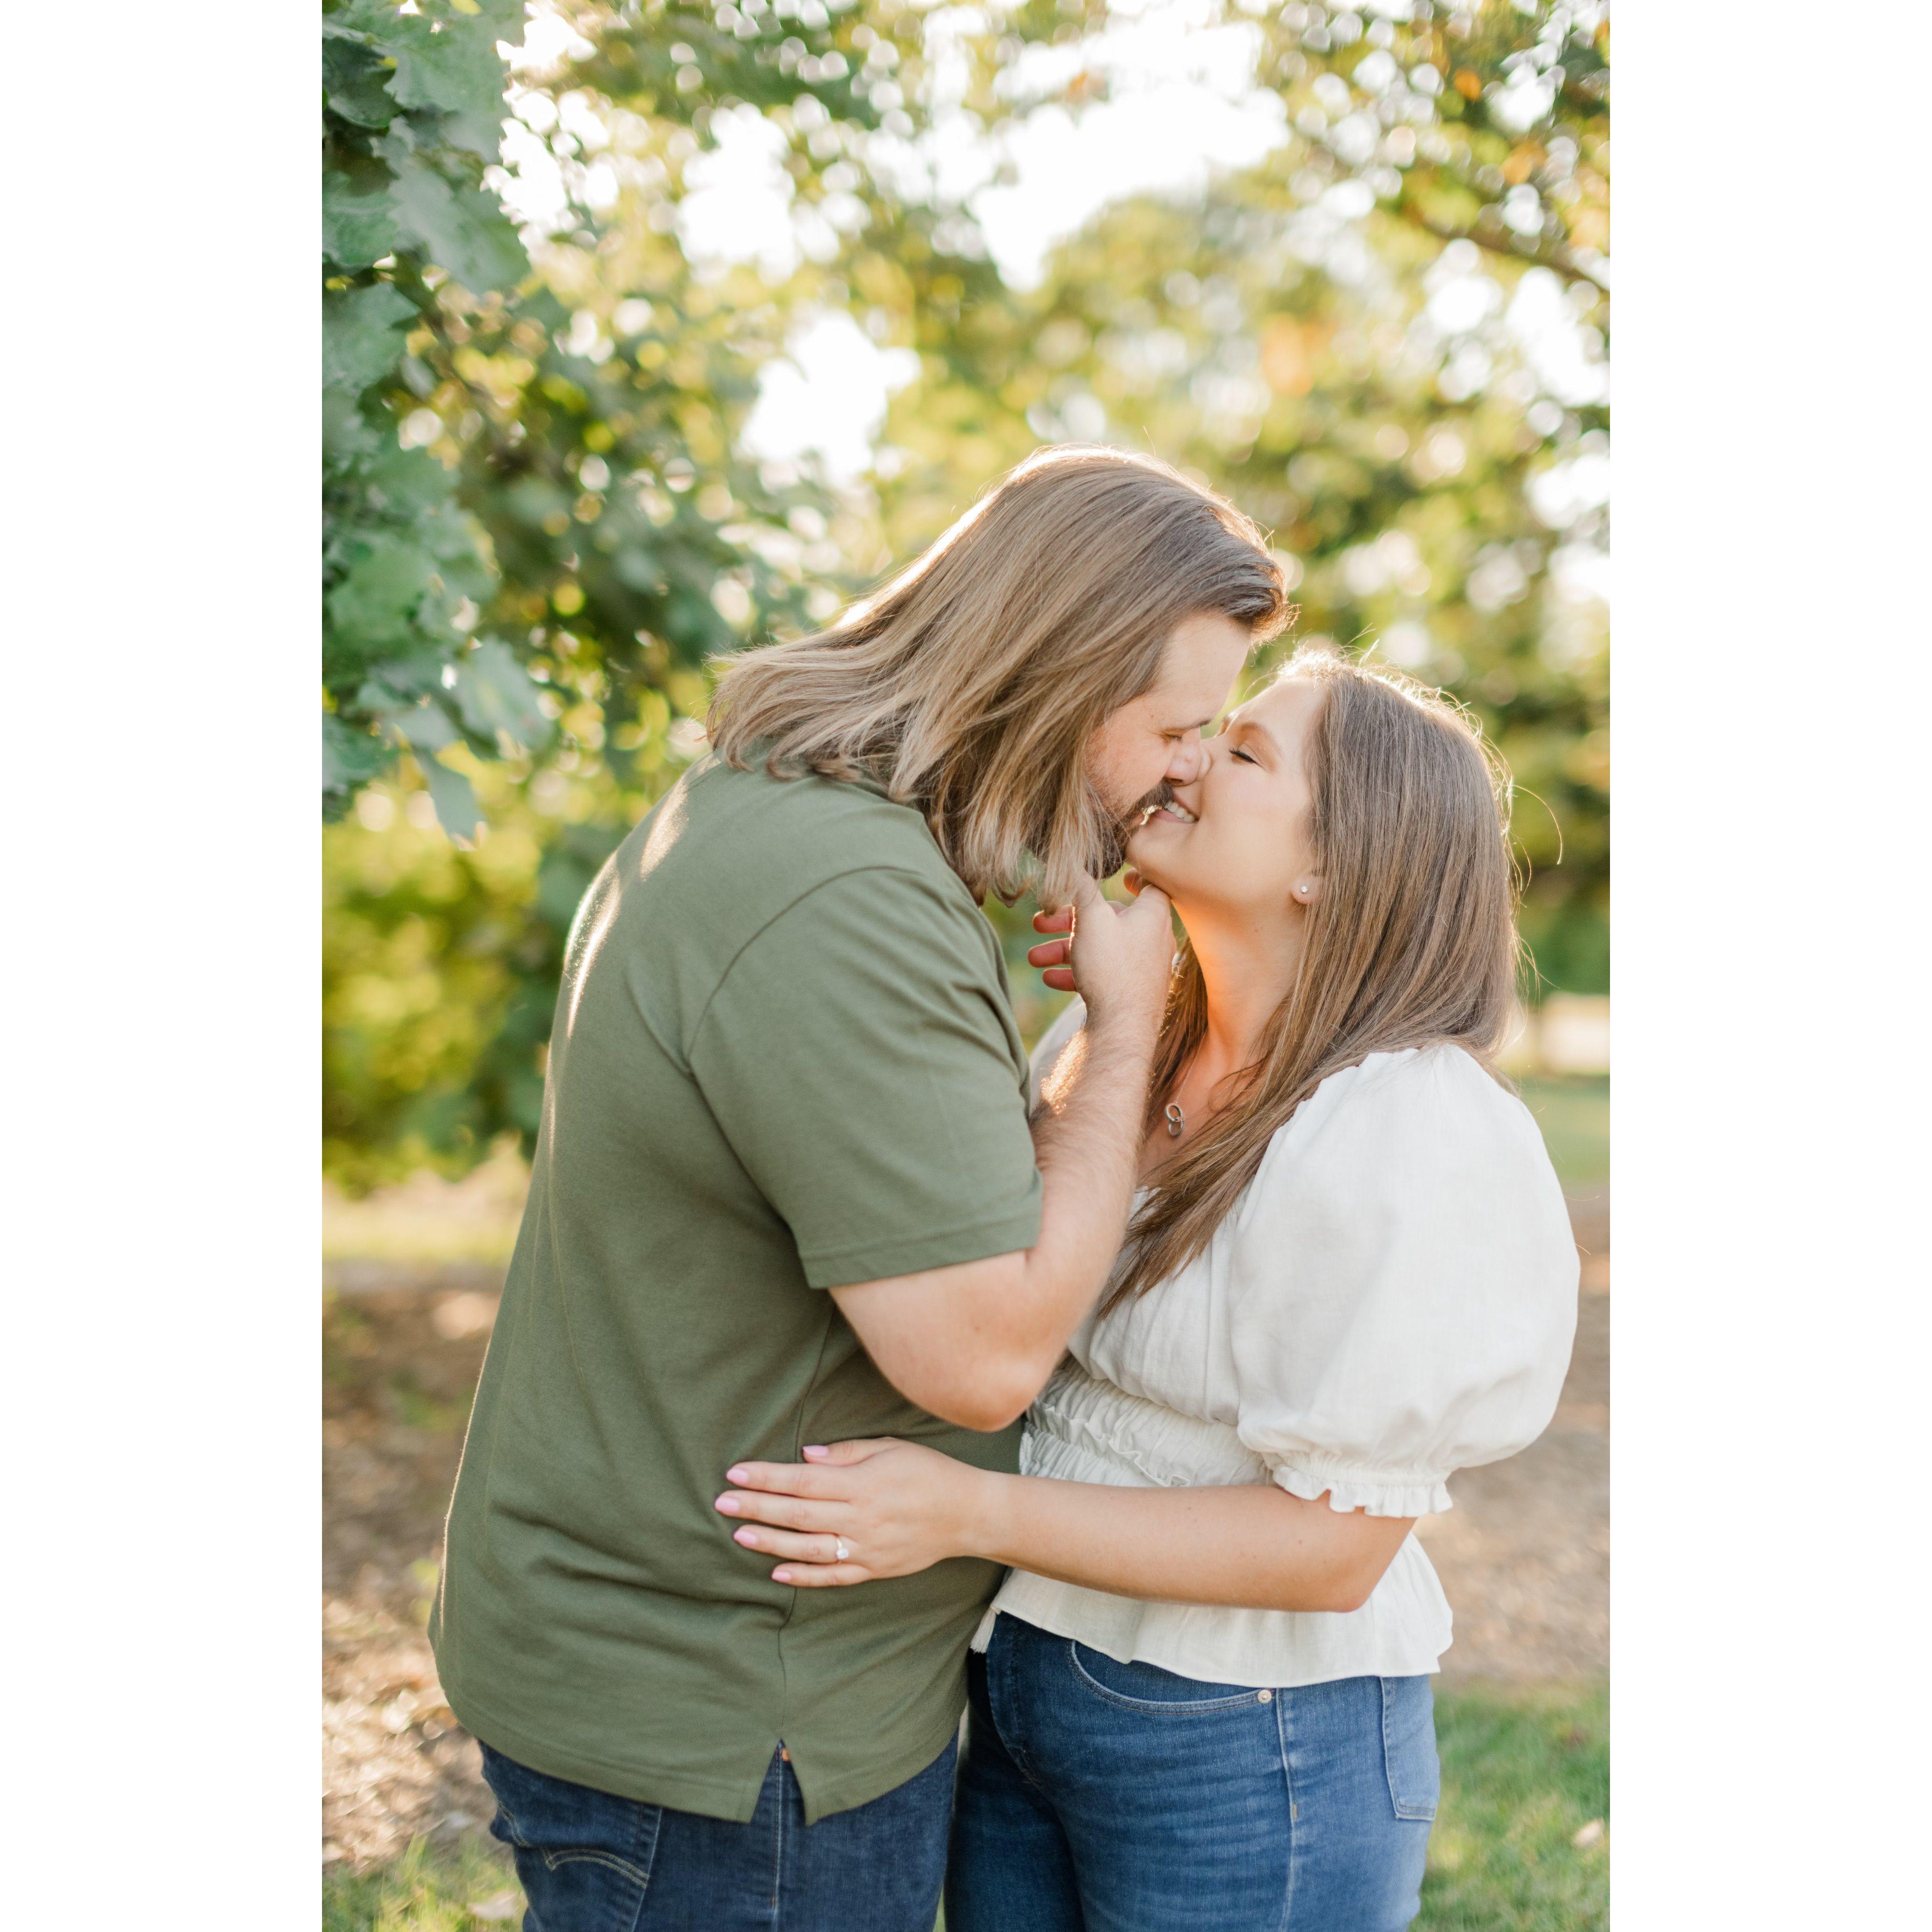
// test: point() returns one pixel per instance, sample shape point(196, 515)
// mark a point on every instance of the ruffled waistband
point(1082, 1430)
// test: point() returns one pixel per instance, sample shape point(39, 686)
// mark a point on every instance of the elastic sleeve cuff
point(1349, 1487)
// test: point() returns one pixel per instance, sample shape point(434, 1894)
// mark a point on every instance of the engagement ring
point(839, 1544)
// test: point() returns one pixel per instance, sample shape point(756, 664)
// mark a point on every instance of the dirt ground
point(400, 1362)
point(1524, 1555)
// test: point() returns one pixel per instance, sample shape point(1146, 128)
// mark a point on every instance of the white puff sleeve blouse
point(1392, 1299)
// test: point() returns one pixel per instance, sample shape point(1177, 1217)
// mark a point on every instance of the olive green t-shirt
point(783, 1060)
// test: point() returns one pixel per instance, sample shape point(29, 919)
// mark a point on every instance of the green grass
point(1574, 1111)
point(427, 1221)
point(421, 1891)
point(1522, 1772)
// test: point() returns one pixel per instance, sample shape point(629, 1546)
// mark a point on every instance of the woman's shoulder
point(1411, 1168)
point(1395, 1117)
point(1444, 1078)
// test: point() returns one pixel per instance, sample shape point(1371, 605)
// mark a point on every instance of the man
point(786, 1192)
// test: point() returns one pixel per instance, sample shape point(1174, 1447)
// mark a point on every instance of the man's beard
point(1113, 854)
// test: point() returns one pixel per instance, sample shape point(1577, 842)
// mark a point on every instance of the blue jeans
point(591, 1862)
point(1095, 1796)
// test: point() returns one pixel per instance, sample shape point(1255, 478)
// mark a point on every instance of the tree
point(1330, 338)
point(1358, 341)
point(539, 525)
point(530, 476)
point(412, 114)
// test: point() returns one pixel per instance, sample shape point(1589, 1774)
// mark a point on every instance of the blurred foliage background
point(576, 258)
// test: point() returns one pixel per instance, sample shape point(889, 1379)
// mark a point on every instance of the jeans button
point(1263, 1696)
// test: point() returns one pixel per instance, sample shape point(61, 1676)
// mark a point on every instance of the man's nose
point(1189, 760)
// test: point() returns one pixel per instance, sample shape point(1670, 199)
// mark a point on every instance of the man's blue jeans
point(591, 1862)
point(1096, 1796)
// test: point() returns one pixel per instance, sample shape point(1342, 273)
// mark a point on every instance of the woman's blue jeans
point(1095, 1796)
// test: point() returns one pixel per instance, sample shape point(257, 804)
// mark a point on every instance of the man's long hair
point(970, 685)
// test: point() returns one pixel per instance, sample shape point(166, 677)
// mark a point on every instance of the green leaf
point(455, 798)
point(351, 756)
point(378, 598)
point(410, 480)
point(480, 131)
point(354, 82)
point(359, 342)
point(374, 20)
point(398, 684)
point(452, 70)
point(460, 229)
point(456, 73)
point(504, 19)
point(346, 433)
point(424, 727)
point(357, 228)
point(495, 693)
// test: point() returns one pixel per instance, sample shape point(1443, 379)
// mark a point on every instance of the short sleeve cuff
point(1349, 1487)
point(945, 1247)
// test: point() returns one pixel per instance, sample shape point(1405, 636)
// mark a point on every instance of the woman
point(1202, 1696)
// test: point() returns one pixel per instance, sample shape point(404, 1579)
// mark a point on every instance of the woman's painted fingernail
point(734, 1475)
point(815, 1449)
point(728, 1504)
point(781, 1576)
point(749, 1537)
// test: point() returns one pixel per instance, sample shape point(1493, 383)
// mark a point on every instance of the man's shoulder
point(785, 836)
point(733, 864)
point(810, 808)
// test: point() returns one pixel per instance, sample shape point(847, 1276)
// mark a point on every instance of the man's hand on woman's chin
point(858, 1511)
point(1117, 958)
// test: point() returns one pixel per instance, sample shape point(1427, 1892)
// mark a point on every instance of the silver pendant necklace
point(1176, 1120)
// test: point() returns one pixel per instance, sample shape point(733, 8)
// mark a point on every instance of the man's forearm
point(975, 1342)
point(1086, 1139)
point(1249, 1546)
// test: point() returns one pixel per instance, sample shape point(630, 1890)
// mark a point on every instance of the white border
point(1772, 439)
point(161, 341)
point(1770, 644)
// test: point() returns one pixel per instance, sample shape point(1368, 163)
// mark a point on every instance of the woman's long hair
point(970, 685)
point(1410, 941)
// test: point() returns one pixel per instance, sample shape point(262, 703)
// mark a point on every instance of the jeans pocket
point(1148, 1688)
point(584, 1856)
point(1409, 1747)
